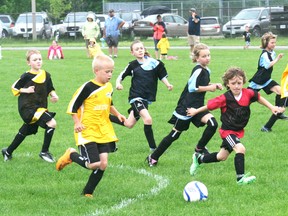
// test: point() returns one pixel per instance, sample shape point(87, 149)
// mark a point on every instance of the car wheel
point(256, 31)
point(4, 34)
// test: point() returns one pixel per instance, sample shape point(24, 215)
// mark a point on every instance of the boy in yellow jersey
point(90, 107)
point(32, 89)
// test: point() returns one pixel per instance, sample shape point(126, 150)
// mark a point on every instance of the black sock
point(149, 136)
point(114, 119)
point(18, 139)
point(239, 161)
point(208, 133)
point(164, 144)
point(79, 159)
point(93, 181)
point(49, 131)
point(271, 121)
point(208, 158)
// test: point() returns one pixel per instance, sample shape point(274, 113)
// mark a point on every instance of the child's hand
point(119, 87)
point(280, 56)
point(30, 89)
point(219, 86)
point(191, 111)
point(170, 87)
point(121, 118)
point(78, 127)
point(277, 110)
point(54, 98)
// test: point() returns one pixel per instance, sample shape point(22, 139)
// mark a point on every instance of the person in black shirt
point(193, 30)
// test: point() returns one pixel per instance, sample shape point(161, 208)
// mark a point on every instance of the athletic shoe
point(115, 56)
point(282, 116)
point(5, 154)
point(64, 159)
point(246, 179)
point(151, 162)
point(47, 156)
point(88, 195)
point(265, 129)
point(202, 151)
point(195, 164)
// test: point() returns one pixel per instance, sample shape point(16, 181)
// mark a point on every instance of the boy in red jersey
point(94, 134)
point(235, 114)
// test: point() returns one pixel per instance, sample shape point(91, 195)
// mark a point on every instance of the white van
point(23, 26)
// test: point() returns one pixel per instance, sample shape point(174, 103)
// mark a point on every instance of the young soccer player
point(94, 134)
point(193, 95)
point(246, 35)
point(262, 78)
point(145, 72)
point(33, 88)
point(235, 114)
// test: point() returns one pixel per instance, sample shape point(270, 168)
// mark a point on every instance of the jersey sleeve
point(216, 103)
point(265, 61)
point(126, 72)
point(162, 72)
point(193, 82)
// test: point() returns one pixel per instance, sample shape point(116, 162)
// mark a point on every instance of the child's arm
point(30, 89)
point(54, 97)
point(193, 111)
point(276, 60)
point(115, 112)
point(211, 87)
point(166, 82)
point(78, 126)
point(119, 86)
point(274, 109)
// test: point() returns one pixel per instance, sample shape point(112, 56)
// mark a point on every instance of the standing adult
point(193, 30)
point(111, 32)
point(90, 30)
point(159, 28)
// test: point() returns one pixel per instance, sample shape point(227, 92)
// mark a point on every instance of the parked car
point(24, 25)
point(3, 30)
point(8, 23)
point(257, 18)
point(176, 25)
point(74, 21)
point(100, 19)
point(129, 18)
point(210, 26)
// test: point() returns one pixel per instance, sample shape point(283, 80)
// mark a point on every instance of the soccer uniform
point(92, 102)
point(247, 37)
point(191, 98)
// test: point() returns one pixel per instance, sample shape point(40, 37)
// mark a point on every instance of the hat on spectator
point(192, 10)
point(111, 10)
point(90, 16)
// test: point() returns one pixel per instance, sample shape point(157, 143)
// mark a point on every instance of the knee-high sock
point(208, 133)
point(208, 158)
point(79, 159)
point(239, 163)
point(93, 181)
point(18, 139)
point(164, 144)
point(49, 131)
point(149, 136)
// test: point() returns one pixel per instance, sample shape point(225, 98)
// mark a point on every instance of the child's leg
point(51, 54)
point(58, 53)
point(49, 132)
point(18, 139)
point(147, 119)
point(208, 132)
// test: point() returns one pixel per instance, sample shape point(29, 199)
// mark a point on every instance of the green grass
point(30, 186)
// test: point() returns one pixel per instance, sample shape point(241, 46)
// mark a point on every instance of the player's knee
point(239, 148)
point(103, 165)
point(147, 121)
point(52, 123)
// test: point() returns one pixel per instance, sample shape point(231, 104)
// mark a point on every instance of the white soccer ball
point(195, 191)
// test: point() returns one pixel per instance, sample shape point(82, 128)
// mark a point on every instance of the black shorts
point(229, 142)
point(92, 150)
point(267, 89)
point(183, 125)
point(28, 129)
point(137, 106)
point(112, 41)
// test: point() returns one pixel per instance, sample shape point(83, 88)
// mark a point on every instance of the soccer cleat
point(88, 195)
point(282, 116)
point(195, 164)
point(5, 154)
point(64, 159)
point(47, 156)
point(151, 162)
point(246, 179)
point(265, 129)
point(202, 151)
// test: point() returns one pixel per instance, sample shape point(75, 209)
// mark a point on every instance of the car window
point(208, 21)
point(28, 19)
point(75, 18)
point(5, 19)
point(102, 19)
point(247, 15)
point(179, 20)
point(265, 13)
point(168, 19)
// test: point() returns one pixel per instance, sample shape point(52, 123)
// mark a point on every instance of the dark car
point(176, 25)
point(210, 26)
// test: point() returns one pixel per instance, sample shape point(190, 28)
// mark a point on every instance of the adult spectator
point(193, 30)
point(90, 30)
point(159, 28)
point(111, 32)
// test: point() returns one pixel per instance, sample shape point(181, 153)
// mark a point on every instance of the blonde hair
point(31, 52)
point(196, 51)
point(231, 73)
point(266, 38)
point(135, 42)
point(100, 61)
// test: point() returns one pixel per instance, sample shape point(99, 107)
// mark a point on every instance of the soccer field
point(31, 186)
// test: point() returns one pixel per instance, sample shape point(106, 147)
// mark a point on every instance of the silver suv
point(24, 25)
point(256, 18)
point(8, 25)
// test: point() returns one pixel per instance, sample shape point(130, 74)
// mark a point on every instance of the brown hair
point(231, 73)
point(266, 38)
point(197, 49)
point(135, 42)
point(31, 52)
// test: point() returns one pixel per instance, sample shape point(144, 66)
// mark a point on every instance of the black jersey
point(145, 77)
point(29, 103)
point(190, 97)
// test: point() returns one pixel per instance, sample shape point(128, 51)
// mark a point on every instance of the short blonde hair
point(31, 52)
point(266, 38)
point(231, 73)
point(100, 61)
point(196, 51)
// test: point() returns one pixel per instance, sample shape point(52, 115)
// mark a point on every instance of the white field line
point(162, 183)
